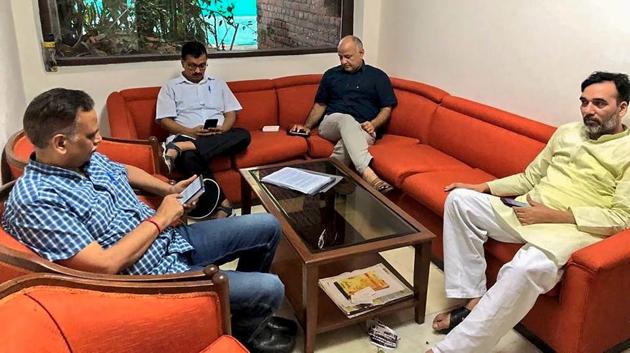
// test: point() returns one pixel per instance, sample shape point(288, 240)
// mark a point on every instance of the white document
point(299, 180)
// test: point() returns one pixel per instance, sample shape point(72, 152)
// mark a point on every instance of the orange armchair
point(52, 313)
point(16, 259)
point(143, 154)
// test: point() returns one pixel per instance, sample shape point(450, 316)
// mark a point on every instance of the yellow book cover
point(349, 286)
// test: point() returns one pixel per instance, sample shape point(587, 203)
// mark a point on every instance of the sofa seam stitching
point(63, 335)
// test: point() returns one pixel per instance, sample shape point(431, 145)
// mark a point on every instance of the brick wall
point(298, 23)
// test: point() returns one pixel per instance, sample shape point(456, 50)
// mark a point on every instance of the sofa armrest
point(606, 254)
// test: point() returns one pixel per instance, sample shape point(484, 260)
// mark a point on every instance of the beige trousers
point(351, 140)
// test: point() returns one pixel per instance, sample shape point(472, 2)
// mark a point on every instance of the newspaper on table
point(304, 181)
point(364, 290)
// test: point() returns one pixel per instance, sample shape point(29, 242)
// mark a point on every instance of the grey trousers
point(351, 140)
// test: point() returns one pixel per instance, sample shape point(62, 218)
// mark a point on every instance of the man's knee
point(266, 223)
point(271, 290)
point(531, 266)
point(456, 198)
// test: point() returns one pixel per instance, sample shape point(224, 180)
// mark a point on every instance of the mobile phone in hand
point(513, 203)
point(210, 123)
point(192, 192)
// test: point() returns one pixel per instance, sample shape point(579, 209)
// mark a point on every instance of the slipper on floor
point(229, 211)
point(456, 316)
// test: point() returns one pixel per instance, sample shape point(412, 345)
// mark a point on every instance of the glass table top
point(345, 215)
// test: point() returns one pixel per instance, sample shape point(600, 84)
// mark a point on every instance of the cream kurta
point(589, 177)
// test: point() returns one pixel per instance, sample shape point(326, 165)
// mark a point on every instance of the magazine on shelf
point(364, 290)
point(304, 181)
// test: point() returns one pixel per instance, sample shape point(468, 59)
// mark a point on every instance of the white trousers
point(469, 221)
point(351, 140)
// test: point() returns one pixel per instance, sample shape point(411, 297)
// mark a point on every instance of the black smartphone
point(513, 203)
point(210, 123)
point(298, 132)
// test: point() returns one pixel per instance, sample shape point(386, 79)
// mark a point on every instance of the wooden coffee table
point(330, 233)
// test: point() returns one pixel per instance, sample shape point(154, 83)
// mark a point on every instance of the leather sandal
point(381, 185)
point(169, 161)
point(456, 316)
point(229, 211)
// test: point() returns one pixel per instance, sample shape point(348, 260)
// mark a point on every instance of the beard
point(595, 128)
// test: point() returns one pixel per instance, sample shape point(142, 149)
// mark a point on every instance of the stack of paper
point(300, 180)
point(363, 290)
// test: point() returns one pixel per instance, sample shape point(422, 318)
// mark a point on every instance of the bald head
point(350, 51)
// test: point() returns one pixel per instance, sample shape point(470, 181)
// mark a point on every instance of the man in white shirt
point(183, 106)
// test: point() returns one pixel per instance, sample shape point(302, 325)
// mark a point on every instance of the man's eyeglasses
point(192, 67)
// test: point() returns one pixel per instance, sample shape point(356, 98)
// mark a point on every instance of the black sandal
point(456, 316)
point(168, 160)
point(229, 211)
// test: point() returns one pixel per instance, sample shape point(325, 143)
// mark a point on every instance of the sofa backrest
point(131, 113)
point(487, 138)
point(417, 103)
point(259, 101)
point(296, 95)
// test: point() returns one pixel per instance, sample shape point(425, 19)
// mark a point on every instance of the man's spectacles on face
point(193, 67)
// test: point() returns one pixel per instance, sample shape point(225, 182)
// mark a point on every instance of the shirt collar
point(183, 79)
point(48, 169)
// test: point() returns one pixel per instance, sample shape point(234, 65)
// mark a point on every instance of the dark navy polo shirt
point(361, 94)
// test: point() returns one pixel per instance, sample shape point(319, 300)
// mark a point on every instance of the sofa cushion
point(475, 142)
point(319, 147)
point(296, 95)
point(395, 161)
point(259, 101)
point(141, 103)
point(519, 124)
point(271, 147)
point(428, 188)
point(417, 103)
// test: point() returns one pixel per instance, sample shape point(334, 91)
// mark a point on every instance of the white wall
point(527, 57)
point(100, 80)
point(11, 87)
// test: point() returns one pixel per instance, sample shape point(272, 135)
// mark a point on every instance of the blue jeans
point(254, 293)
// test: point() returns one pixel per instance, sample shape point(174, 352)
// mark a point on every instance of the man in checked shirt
point(76, 207)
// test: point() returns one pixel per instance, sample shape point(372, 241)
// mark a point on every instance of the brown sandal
point(381, 185)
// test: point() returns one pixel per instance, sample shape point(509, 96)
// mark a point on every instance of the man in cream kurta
point(578, 192)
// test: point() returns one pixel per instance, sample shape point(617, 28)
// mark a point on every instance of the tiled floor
point(414, 338)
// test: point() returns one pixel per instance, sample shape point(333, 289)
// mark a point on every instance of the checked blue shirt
point(57, 213)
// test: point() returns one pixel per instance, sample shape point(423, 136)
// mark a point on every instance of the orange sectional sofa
point(431, 140)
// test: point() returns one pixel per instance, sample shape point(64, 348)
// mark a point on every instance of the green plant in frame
point(124, 27)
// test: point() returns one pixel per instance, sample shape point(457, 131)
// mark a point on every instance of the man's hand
point(539, 213)
point(368, 127)
point(181, 185)
point(170, 210)
point(200, 131)
point(483, 187)
point(298, 127)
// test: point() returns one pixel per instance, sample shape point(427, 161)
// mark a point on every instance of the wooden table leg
point(246, 197)
point(310, 294)
point(421, 263)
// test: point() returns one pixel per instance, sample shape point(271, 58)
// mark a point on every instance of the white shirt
point(190, 104)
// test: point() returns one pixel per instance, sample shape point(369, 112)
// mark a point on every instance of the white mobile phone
point(193, 191)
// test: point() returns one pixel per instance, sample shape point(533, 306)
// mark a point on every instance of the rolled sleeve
point(50, 229)
point(166, 107)
point(230, 103)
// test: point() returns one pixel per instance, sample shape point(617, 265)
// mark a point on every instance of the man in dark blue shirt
point(355, 99)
